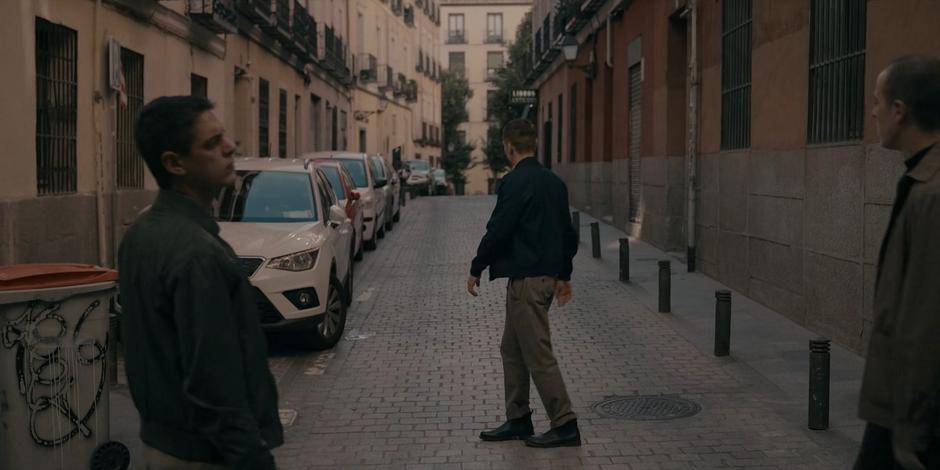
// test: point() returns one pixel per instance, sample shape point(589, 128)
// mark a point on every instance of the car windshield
point(332, 174)
point(378, 167)
point(267, 196)
point(357, 170)
point(418, 165)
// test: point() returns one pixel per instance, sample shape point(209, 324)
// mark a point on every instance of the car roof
point(334, 155)
point(271, 164)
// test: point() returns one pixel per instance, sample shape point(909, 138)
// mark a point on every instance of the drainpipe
point(99, 156)
point(692, 132)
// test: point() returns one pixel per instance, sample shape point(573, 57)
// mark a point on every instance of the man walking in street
point(529, 239)
point(900, 396)
point(196, 357)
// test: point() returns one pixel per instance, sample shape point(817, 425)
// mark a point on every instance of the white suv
point(293, 242)
point(371, 192)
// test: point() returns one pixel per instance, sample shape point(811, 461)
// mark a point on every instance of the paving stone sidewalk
point(419, 374)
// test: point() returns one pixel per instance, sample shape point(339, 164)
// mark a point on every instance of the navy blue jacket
point(530, 232)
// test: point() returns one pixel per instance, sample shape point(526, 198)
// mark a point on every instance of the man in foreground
point(900, 397)
point(196, 357)
point(529, 239)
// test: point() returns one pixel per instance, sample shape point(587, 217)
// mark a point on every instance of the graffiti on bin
point(52, 371)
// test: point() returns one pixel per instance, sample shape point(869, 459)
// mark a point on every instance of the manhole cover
point(647, 408)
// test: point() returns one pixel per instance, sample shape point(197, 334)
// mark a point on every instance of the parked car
point(349, 199)
point(294, 243)
point(384, 172)
point(420, 179)
point(396, 183)
point(371, 191)
point(440, 182)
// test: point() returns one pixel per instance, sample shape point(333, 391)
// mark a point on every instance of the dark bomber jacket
point(196, 357)
point(530, 232)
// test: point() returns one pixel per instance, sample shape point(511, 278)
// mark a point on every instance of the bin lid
point(46, 276)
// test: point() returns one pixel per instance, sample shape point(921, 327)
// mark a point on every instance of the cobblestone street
point(419, 374)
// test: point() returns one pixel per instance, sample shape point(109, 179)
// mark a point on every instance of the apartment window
point(560, 114)
point(456, 61)
point(494, 62)
point(130, 166)
point(198, 86)
point(455, 29)
point(263, 111)
point(573, 123)
point(490, 106)
point(56, 107)
point(342, 130)
point(836, 71)
point(736, 74)
point(282, 123)
point(362, 140)
point(494, 27)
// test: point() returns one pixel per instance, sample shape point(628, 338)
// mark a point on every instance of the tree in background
point(511, 77)
point(455, 93)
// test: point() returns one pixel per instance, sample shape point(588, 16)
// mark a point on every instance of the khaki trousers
point(526, 350)
point(157, 460)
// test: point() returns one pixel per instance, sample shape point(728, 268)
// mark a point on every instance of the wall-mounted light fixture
point(364, 115)
point(569, 48)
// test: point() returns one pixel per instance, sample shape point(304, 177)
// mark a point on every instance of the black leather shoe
point(566, 435)
point(519, 428)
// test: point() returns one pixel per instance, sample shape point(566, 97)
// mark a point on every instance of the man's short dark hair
point(521, 134)
point(915, 80)
point(166, 124)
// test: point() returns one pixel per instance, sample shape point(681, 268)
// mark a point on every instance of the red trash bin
point(54, 412)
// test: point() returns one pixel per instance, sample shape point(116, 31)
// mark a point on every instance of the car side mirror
point(337, 215)
point(355, 196)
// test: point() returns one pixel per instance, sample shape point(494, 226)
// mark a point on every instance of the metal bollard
point(819, 384)
point(665, 288)
point(595, 239)
point(576, 223)
point(722, 323)
point(625, 260)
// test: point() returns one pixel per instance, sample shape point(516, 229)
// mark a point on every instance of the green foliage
point(512, 77)
point(455, 92)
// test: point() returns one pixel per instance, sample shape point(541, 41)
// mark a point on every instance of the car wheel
point(329, 331)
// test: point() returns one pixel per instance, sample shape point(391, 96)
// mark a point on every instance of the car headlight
point(300, 261)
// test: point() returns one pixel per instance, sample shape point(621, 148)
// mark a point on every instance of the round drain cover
point(647, 407)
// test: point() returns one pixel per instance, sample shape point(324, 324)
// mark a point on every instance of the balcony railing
point(410, 15)
point(280, 29)
point(456, 37)
point(493, 38)
point(328, 46)
point(217, 16)
point(259, 11)
point(368, 68)
point(301, 27)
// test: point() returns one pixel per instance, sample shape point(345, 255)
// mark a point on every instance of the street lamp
point(364, 115)
point(569, 48)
